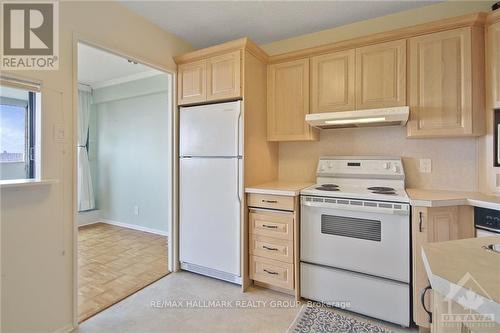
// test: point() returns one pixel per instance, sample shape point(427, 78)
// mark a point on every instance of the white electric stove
point(355, 237)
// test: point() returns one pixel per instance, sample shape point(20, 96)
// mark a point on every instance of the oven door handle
point(359, 208)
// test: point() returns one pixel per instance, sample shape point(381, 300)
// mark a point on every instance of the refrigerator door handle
point(238, 132)
point(238, 179)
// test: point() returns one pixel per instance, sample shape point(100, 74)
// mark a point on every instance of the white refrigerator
point(211, 190)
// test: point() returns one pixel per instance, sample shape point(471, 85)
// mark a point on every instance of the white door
point(209, 231)
point(210, 130)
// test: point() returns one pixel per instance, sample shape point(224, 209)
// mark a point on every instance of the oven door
point(357, 238)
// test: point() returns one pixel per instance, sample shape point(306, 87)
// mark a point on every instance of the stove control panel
point(389, 168)
point(487, 219)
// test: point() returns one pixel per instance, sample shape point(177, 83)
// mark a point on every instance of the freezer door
point(211, 130)
point(210, 207)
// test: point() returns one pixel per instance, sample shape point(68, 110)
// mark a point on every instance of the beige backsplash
point(454, 161)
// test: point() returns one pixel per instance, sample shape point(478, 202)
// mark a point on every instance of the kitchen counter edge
point(291, 189)
point(442, 198)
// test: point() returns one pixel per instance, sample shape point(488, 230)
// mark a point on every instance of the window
point(17, 133)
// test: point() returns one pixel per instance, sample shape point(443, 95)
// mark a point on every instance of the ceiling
point(99, 68)
point(206, 23)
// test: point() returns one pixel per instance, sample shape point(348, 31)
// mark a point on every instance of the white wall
point(133, 162)
point(37, 230)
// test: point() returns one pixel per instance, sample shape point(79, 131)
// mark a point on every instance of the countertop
point(440, 198)
point(278, 188)
point(456, 268)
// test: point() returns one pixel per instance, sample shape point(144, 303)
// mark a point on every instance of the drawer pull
point(269, 201)
point(270, 226)
point(270, 248)
point(270, 272)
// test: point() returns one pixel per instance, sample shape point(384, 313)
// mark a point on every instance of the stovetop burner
point(384, 192)
point(327, 188)
point(381, 189)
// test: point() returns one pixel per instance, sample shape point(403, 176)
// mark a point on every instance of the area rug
point(322, 319)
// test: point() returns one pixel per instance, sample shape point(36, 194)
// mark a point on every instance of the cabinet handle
point(270, 226)
point(269, 201)
point(269, 272)
point(420, 221)
point(270, 248)
point(422, 300)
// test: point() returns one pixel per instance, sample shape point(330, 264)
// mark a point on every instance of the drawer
point(271, 201)
point(273, 272)
point(271, 224)
point(272, 248)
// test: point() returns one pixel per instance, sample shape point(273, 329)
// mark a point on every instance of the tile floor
point(115, 262)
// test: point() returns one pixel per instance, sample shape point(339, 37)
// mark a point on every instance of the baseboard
point(135, 227)
point(89, 223)
point(65, 329)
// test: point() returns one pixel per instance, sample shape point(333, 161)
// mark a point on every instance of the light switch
point(425, 165)
point(59, 133)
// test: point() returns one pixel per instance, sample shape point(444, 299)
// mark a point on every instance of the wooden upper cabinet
point(446, 82)
point(381, 75)
point(494, 64)
point(211, 79)
point(332, 82)
point(224, 76)
point(192, 86)
point(288, 101)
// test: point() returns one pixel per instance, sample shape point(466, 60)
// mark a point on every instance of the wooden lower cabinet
point(273, 244)
point(434, 224)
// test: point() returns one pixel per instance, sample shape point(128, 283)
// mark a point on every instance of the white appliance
point(355, 237)
point(211, 190)
point(360, 118)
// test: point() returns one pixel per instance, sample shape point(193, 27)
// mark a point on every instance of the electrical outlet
point(136, 210)
point(425, 165)
point(59, 133)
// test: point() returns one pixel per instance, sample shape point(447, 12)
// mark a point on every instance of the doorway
point(124, 177)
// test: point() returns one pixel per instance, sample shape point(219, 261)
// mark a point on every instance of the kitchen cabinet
point(273, 241)
point(223, 76)
point(446, 80)
point(434, 224)
point(381, 75)
point(211, 79)
point(288, 101)
point(192, 85)
point(332, 82)
point(493, 41)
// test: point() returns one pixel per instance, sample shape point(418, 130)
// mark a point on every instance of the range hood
point(396, 116)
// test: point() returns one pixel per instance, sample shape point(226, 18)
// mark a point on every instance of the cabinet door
point(435, 224)
point(192, 82)
point(224, 76)
point(332, 82)
point(440, 84)
point(288, 101)
point(494, 63)
point(381, 75)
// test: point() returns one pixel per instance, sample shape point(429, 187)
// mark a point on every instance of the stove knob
point(387, 165)
point(396, 169)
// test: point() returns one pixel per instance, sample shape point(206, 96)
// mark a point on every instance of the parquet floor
point(115, 262)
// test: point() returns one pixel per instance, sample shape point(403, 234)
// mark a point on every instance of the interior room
point(124, 177)
point(250, 166)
